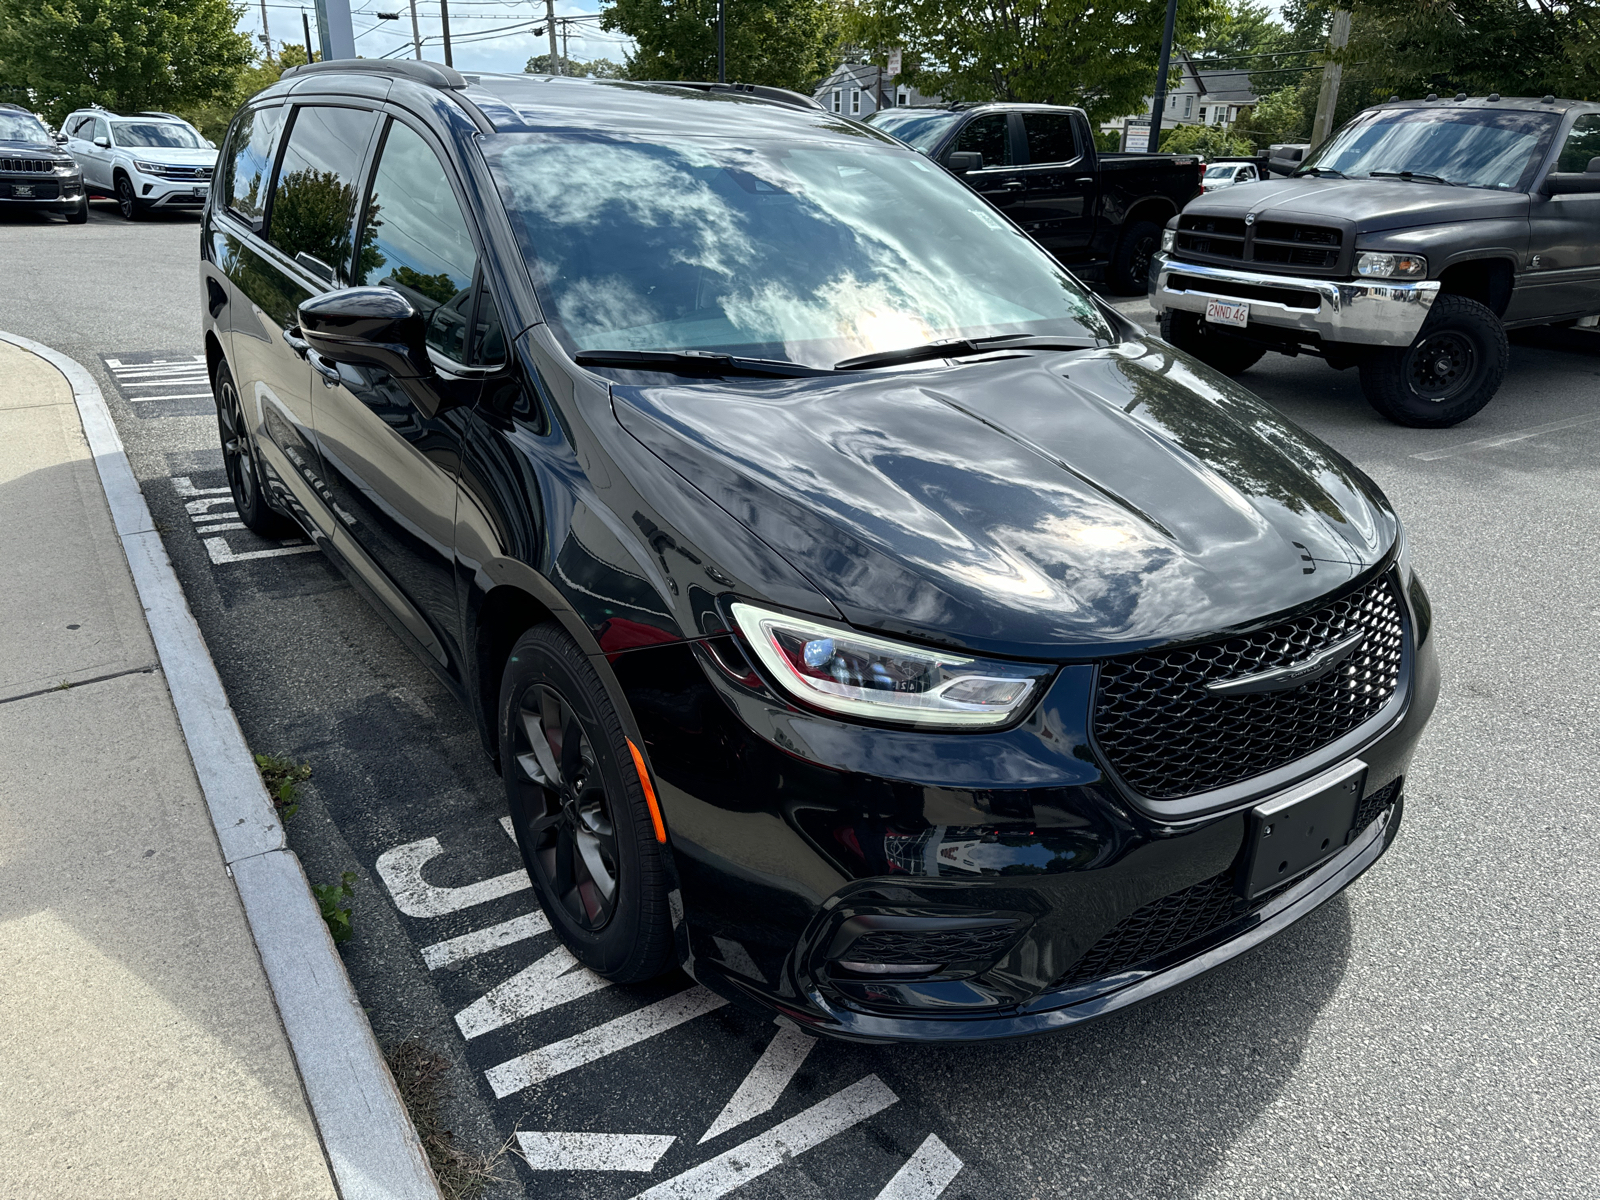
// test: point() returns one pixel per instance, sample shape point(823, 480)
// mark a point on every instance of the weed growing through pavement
point(282, 777)
point(329, 896)
point(420, 1075)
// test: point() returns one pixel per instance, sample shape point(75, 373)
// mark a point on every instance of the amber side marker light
point(649, 792)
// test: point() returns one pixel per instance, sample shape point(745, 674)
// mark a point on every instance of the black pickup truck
point(1101, 214)
point(1405, 246)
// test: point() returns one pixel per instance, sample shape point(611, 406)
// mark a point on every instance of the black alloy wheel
point(579, 812)
point(127, 203)
point(1129, 274)
point(1189, 333)
point(239, 462)
point(1452, 369)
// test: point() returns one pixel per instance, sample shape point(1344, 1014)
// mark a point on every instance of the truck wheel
point(80, 215)
point(1188, 333)
point(1129, 272)
point(1452, 369)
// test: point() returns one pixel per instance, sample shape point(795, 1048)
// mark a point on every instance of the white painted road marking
point(1504, 439)
point(481, 941)
point(525, 1070)
point(926, 1174)
point(511, 831)
point(593, 1151)
point(182, 378)
point(401, 872)
point(737, 1167)
point(221, 553)
point(766, 1081)
point(545, 984)
point(185, 487)
point(201, 505)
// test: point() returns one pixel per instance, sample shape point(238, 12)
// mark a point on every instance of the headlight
point(149, 168)
point(1380, 265)
point(1169, 240)
point(858, 675)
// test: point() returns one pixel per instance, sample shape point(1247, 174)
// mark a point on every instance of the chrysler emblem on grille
point(1308, 670)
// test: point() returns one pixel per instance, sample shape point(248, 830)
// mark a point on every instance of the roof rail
point(426, 73)
point(759, 91)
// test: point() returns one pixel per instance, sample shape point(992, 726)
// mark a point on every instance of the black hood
point(1369, 205)
point(32, 150)
point(1044, 505)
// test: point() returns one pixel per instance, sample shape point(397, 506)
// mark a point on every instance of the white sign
point(1137, 139)
point(895, 62)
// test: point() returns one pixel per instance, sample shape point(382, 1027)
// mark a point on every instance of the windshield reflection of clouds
point(809, 252)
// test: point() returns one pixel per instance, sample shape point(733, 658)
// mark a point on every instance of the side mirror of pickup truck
point(1567, 183)
point(959, 162)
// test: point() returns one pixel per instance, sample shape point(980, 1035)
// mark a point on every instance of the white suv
point(145, 161)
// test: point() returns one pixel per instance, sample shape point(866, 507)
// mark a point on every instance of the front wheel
point(80, 215)
point(1452, 369)
point(1189, 333)
point(1129, 271)
point(578, 807)
point(128, 203)
point(239, 462)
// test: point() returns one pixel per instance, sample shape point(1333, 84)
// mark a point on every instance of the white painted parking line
point(766, 1081)
point(593, 1151)
point(401, 872)
point(221, 553)
point(547, 983)
point(199, 510)
point(511, 832)
point(737, 1167)
point(1504, 439)
point(525, 1070)
point(184, 486)
point(223, 528)
point(184, 378)
point(481, 941)
point(926, 1174)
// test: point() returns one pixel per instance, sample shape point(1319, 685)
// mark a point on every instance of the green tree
point(212, 118)
point(595, 68)
point(1281, 116)
point(1213, 141)
point(1099, 56)
point(124, 54)
point(781, 43)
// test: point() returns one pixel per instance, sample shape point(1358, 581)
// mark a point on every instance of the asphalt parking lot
point(1432, 1032)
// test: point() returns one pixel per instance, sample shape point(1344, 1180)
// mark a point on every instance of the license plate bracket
point(1292, 833)
point(1228, 312)
point(22, 191)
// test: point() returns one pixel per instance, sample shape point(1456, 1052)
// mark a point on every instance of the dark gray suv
point(34, 174)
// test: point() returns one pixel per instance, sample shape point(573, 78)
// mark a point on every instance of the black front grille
point(1316, 248)
point(1160, 926)
point(931, 946)
point(1168, 737)
point(26, 166)
point(1372, 806)
point(1216, 237)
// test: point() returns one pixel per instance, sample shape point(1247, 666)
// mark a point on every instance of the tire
point(240, 464)
point(1188, 333)
point(1452, 369)
point(80, 215)
point(579, 811)
point(127, 203)
point(1129, 271)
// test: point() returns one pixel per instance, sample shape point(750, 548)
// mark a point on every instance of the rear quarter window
point(247, 163)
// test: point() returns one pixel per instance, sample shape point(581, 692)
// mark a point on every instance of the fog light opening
point(900, 969)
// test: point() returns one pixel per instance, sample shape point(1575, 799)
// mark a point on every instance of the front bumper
point(51, 192)
point(170, 193)
point(1367, 312)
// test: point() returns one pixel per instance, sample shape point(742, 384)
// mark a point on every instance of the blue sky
point(485, 35)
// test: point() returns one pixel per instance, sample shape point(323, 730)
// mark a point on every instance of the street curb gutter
point(371, 1144)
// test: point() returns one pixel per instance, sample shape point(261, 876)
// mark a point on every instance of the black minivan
point(862, 615)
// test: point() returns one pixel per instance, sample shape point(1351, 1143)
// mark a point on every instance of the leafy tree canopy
point(124, 54)
point(1213, 141)
point(595, 68)
point(781, 43)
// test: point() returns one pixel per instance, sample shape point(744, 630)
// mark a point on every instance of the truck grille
point(1313, 248)
point(1168, 737)
point(26, 165)
point(1216, 237)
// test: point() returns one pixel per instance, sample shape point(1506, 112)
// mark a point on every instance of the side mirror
point(1567, 183)
point(103, 142)
point(375, 327)
point(62, 139)
point(959, 162)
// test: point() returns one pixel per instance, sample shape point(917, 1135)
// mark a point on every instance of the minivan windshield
point(805, 252)
point(166, 134)
point(23, 127)
point(919, 128)
point(1478, 147)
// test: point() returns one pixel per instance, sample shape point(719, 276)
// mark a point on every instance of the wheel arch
point(1488, 279)
point(1152, 208)
point(214, 359)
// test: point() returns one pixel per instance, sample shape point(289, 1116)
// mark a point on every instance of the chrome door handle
point(1013, 185)
point(295, 342)
point(328, 371)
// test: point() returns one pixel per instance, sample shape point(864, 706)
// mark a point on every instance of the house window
point(836, 100)
point(855, 101)
point(1202, 114)
point(902, 98)
point(1188, 107)
point(1172, 103)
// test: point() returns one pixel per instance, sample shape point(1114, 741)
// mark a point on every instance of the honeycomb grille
point(1168, 737)
point(1374, 804)
point(931, 946)
point(1158, 927)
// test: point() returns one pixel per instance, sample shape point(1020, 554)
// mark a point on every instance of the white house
point(861, 89)
point(1198, 97)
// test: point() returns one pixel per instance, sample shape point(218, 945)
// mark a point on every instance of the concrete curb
point(372, 1147)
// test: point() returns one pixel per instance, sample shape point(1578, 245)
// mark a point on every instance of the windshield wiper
point(705, 363)
point(1320, 171)
point(1408, 176)
point(955, 347)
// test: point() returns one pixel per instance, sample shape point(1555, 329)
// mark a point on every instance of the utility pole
point(1160, 103)
point(1332, 72)
point(722, 41)
point(266, 36)
point(306, 21)
point(416, 33)
point(566, 28)
point(550, 27)
point(444, 17)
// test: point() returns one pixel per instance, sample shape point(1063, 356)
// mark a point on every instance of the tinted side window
point(314, 199)
point(1582, 144)
point(82, 127)
point(247, 164)
point(989, 137)
point(1049, 137)
point(416, 239)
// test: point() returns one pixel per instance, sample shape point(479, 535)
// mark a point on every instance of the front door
point(1564, 231)
point(1058, 208)
point(997, 180)
point(392, 470)
point(97, 158)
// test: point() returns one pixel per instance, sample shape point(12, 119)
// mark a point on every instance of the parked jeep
point(1406, 247)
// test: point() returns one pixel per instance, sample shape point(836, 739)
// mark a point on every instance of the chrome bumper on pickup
point(1368, 313)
